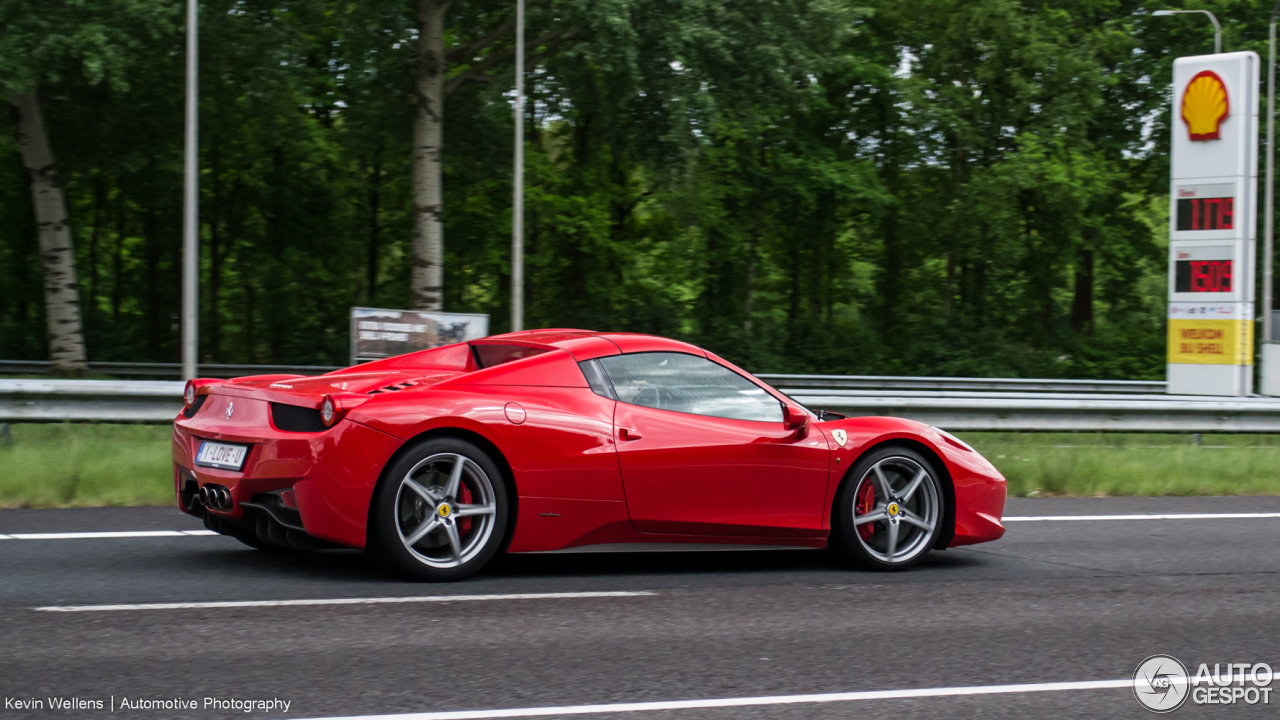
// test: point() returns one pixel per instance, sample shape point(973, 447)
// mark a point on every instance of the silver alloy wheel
point(431, 519)
point(901, 502)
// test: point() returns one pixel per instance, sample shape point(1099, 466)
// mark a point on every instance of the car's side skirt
point(663, 547)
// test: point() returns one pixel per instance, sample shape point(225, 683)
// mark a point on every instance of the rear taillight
point(334, 407)
point(329, 411)
point(194, 389)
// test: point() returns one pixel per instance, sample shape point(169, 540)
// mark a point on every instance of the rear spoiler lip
point(276, 396)
point(308, 398)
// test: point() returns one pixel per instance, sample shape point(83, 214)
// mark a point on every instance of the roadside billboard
point(378, 333)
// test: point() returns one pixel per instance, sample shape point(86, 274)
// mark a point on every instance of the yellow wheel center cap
point(893, 509)
point(444, 510)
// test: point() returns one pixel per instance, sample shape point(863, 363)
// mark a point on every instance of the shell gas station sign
point(1212, 224)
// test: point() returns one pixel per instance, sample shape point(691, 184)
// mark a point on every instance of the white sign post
point(1212, 224)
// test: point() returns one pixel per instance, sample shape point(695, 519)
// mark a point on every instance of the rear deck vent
point(394, 388)
point(291, 418)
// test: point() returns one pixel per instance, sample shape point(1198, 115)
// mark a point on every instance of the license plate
point(221, 455)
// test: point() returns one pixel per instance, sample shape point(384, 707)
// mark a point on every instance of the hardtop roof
point(567, 338)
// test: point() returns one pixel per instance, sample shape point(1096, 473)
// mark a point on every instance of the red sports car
point(565, 440)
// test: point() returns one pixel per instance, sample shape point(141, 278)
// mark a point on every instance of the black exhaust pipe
point(216, 497)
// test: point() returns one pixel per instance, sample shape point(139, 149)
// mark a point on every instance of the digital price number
point(1203, 276)
point(1212, 213)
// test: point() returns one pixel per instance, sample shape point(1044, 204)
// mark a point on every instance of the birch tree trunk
point(428, 125)
point(61, 293)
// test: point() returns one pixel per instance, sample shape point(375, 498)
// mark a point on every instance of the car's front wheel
point(889, 510)
point(440, 512)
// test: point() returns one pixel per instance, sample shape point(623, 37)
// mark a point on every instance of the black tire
point(871, 549)
point(399, 511)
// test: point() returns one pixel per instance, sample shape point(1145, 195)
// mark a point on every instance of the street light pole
point(191, 207)
point(1268, 222)
point(517, 200)
point(1217, 27)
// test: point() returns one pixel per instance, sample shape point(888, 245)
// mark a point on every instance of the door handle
point(625, 434)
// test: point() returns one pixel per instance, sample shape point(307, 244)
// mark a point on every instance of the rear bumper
point(332, 473)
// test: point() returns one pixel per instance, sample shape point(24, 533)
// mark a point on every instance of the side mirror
point(796, 418)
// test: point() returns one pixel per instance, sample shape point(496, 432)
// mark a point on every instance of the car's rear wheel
point(889, 510)
point(440, 511)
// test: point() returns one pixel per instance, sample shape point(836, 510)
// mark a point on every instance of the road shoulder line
point(750, 701)
point(340, 601)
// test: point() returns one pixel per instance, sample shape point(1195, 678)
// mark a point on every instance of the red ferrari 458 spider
point(565, 440)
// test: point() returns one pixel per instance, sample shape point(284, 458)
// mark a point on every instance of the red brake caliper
point(866, 502)
point(464, 498)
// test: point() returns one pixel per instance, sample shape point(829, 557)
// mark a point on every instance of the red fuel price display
point(1203, 276)
point(1215, 213)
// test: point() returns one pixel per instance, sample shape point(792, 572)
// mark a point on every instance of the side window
point(595, 378)
point(688, 384)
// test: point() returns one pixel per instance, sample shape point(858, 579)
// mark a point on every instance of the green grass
point(1100, 464)
point(85, 466)
point(96, 465)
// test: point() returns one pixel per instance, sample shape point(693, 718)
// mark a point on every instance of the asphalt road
point(1062, 601)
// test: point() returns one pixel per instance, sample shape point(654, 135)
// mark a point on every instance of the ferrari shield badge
point(840, 436)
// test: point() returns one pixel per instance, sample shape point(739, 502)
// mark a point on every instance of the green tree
point(942, 187)
point(43, 41)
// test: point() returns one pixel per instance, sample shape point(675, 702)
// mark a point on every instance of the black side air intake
point(292, 418)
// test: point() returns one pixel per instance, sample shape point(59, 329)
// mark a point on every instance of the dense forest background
point(950, 187)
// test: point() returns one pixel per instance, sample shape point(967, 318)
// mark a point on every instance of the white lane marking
point(97, 535)
point(1009, 519)
point(748, 701)
point(107, 535)
point(341, 601)
point(1179, 516)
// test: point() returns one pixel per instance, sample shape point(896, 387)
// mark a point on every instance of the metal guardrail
point(1057, 412)
point(164, 370)
point(134, 401)
point(833, 382)
point(159, 401)
point(885, 382)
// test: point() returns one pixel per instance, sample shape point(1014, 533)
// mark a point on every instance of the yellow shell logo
point(1205, 105)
